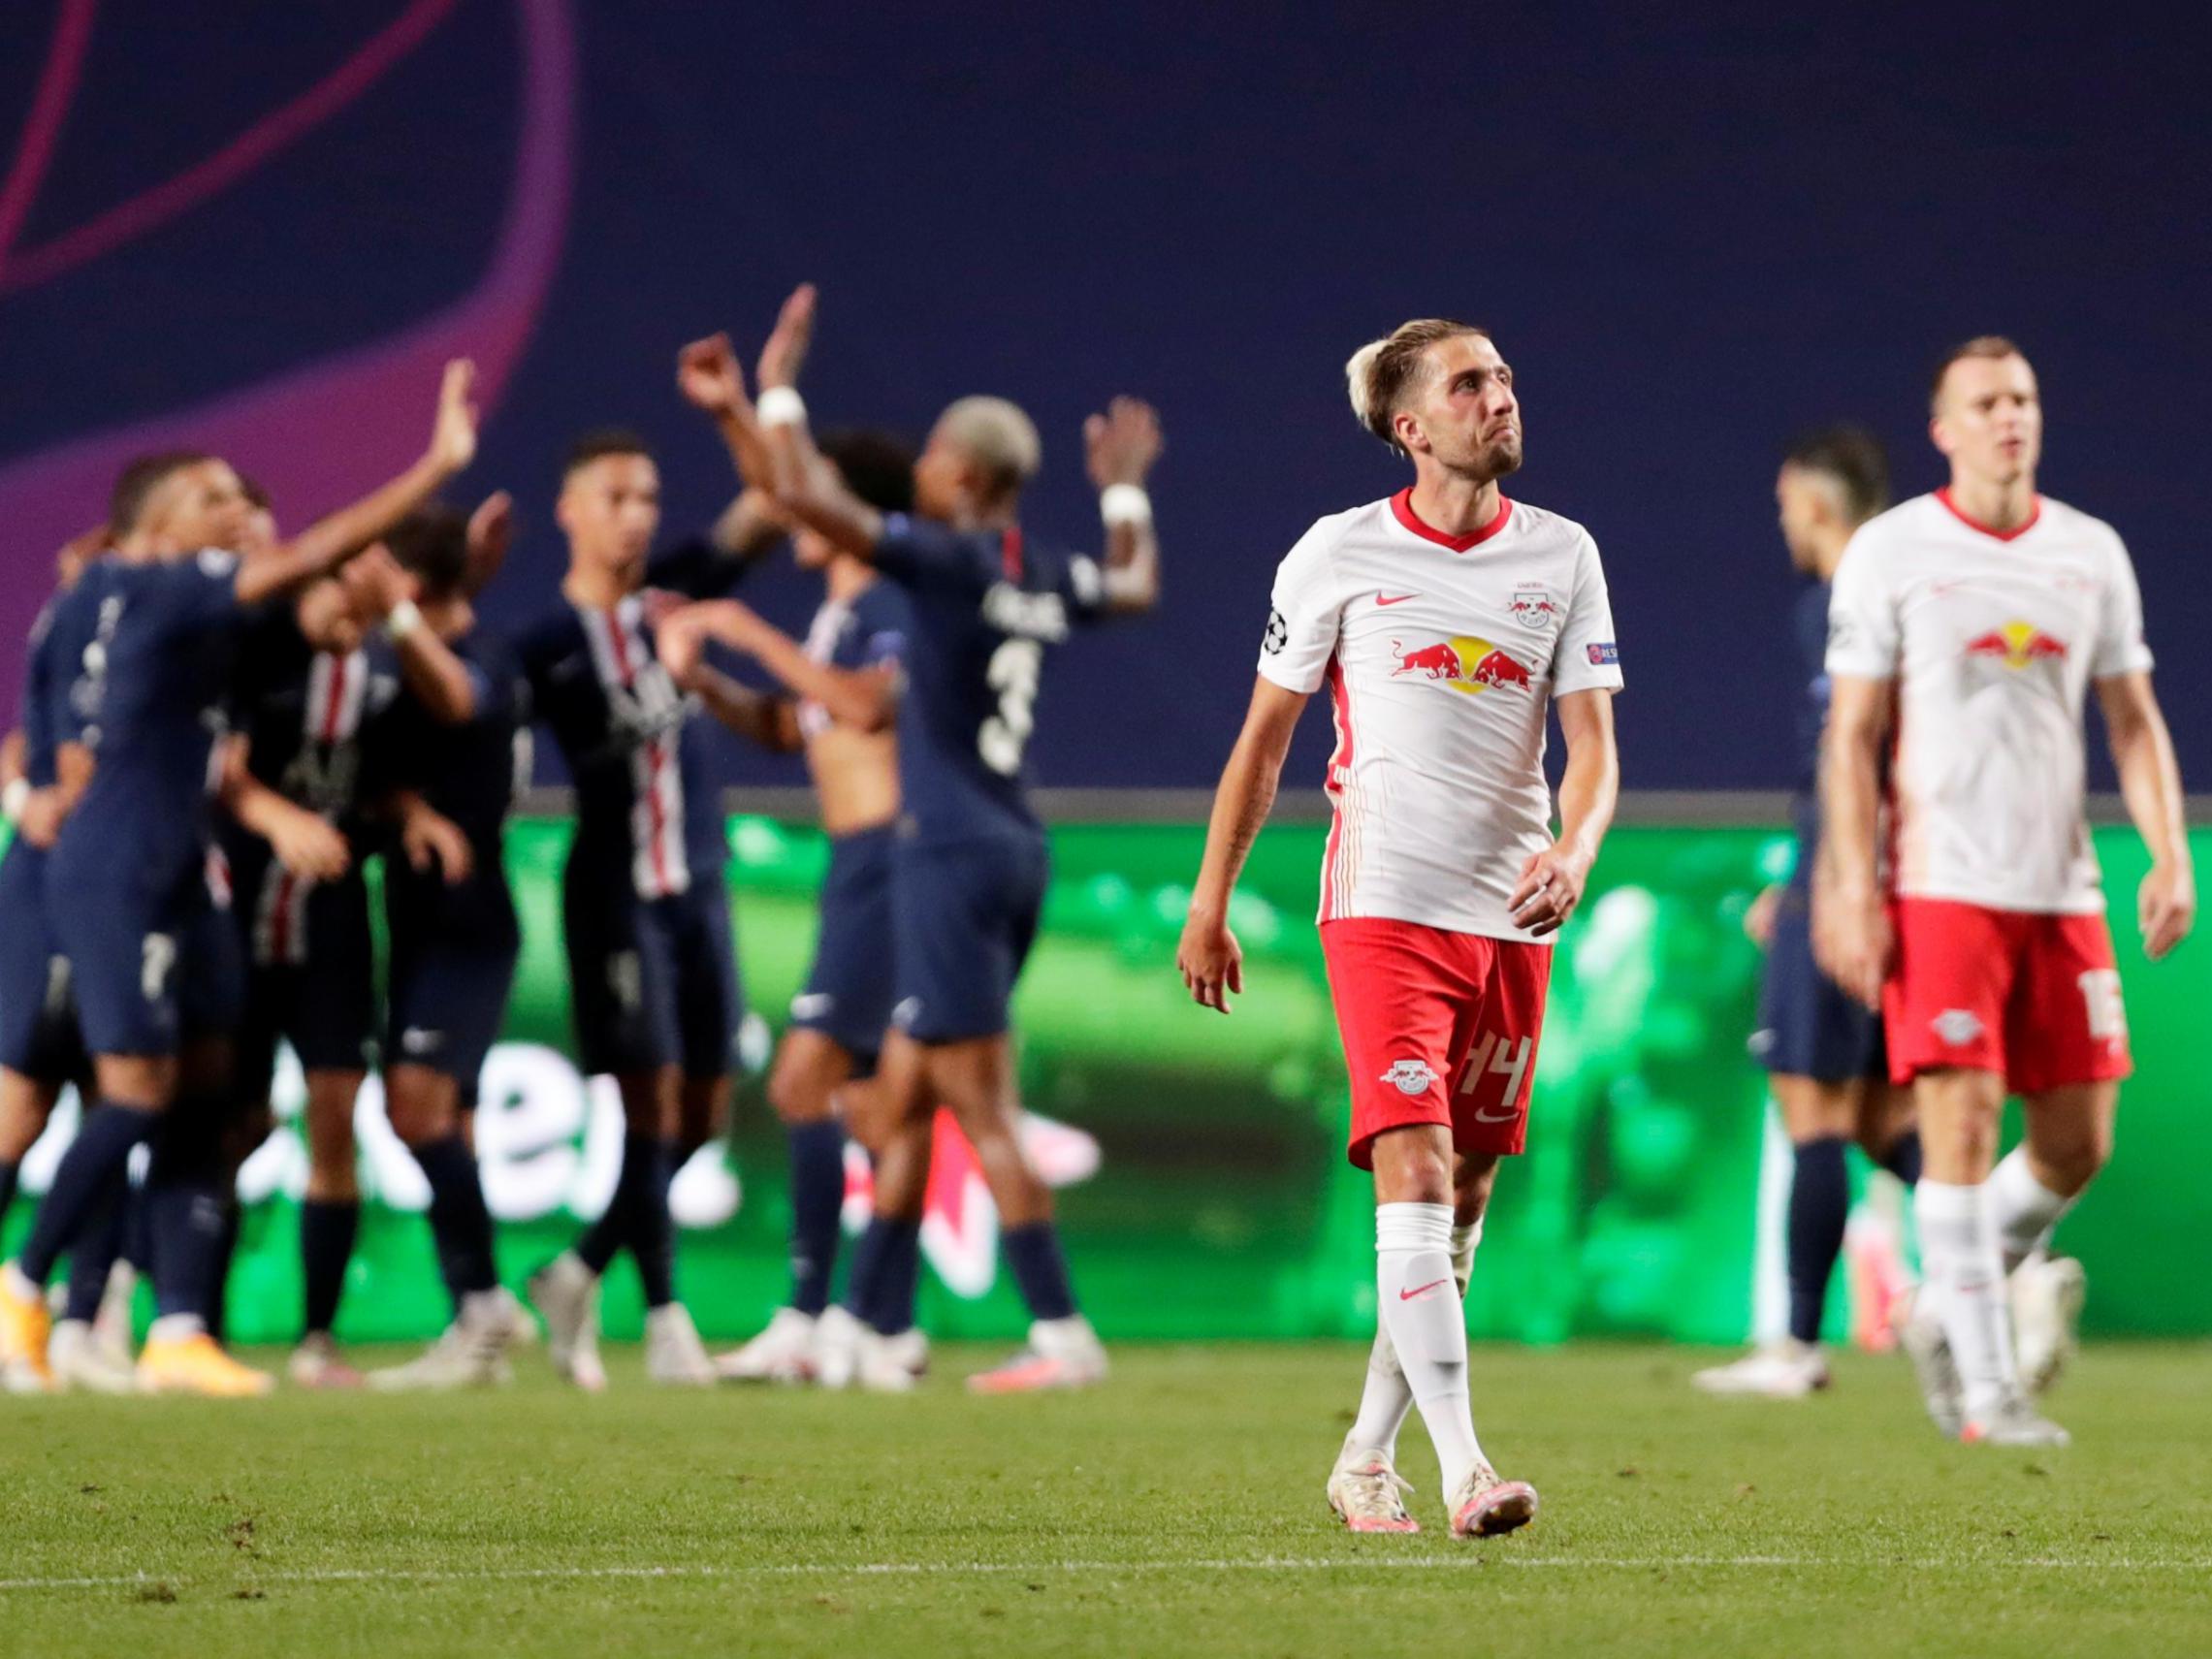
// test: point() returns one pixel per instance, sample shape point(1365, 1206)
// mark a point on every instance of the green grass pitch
point(1176, 1511)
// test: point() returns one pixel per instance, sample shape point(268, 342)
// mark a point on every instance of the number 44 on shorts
point(1495, 1056)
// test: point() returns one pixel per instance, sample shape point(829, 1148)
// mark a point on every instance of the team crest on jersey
point(1411, 1077)
point(1464, 662)
point(1957, 1027)
point(1534, 608)
point(2016, 644)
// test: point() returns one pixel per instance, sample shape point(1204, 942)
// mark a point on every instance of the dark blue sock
point(1820, 1198)
point(9, 1174)
point(92, 1258)
point(1033, 1254)
point(328, 1228)
point(218, 1313)
point(604, 1239)
point(864, 1273)
point(652, 1230)
point(459, 1223)
point(1903, 1158)
point(817, 1201)
point(101, 1148)
point(898, 1273)
point(187, 1201)
point(138, 1234)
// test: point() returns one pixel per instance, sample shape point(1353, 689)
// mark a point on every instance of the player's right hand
point(709, 377)
point(1121, 445)
point(785, 352)
point(1852, 942)
point(375, 581)
point(430, 839)
point(41, 821)
point(679, 641)
point(453, 439)
point(1212, 961)
point(308, 845)
point(1759, 918)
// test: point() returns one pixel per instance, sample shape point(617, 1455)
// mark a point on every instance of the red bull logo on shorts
point(2016, 644)
point(1464, 662)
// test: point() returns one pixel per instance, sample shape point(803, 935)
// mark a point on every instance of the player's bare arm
point(680, 639)
point(865, 699)
point(304, 843)
point(330, 542)
point(1120, 448)
point(1552, 881)
point(805, 485)
point(42, 812)
point(2150, 781)
point(1852, 932)
point(380, 588)
point(1211, 962)
point(491, 532)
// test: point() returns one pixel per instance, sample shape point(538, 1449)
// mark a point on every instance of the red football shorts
point(2032, 998)
point(1438, 1028)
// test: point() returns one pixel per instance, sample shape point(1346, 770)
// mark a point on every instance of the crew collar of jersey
point(2034, 516)
point(1401, 506)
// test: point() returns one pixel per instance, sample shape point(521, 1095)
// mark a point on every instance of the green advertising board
point(1203, 1188)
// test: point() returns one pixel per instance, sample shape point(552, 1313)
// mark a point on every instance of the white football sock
point(1426, 1321)
point(2022, 1209)
point(1959, 1254)
point(1385, 1398)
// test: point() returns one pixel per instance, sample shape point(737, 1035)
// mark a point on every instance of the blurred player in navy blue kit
point(1823, 1051)
point(154, 963)
point(645, 913)
point(844, 686)
point(449, 757)
point(986, 602)
point(43, 773)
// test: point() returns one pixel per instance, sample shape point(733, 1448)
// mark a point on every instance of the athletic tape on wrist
point(781, 406)
point(15, 798)
point(405, 617)
point(1125, 504)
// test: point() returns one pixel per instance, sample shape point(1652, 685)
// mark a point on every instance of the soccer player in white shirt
point(1444, 620)
point(1991, 610)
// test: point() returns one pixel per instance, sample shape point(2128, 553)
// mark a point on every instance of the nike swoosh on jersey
point(1408, 1296)
point(1395, 598)
point(1496, 1117)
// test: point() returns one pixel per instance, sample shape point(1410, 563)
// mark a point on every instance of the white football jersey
point(1441, 654)
point(1993, 639)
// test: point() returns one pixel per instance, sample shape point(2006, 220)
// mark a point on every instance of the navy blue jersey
point(470, 774)
point(311, 717)
point(635, 744)
point(160, 647)
point(1809, 626)
point(984, 606)
point(56, 693)
point(868, 631)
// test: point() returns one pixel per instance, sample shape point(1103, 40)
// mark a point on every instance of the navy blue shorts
point(966, 916)
point(1808, 1026)
point(448, 1001)
point(850, 989)
point(654, 980)
point(149, 967)
point(39, 1036)
point(310, 970)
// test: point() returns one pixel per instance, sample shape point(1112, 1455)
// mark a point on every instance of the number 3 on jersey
point(1014, 675)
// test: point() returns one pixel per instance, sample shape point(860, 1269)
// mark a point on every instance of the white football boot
point(80, 1359)
point(674, 1354)
point(1920, 1333)
point(1786, 1369)
point(837, 1347)
point(1062, 1354)
point(1485, 1506)
point(2013, 1423)
point(566, 1295)
point(470, 1353)
point(2046, 1293)
point(783, 1352)
point(1367, 1492)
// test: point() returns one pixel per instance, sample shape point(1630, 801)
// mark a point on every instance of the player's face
point(198, 506)
point(1465, 415)
point(1807, 505)
point(328, 619)
point(611, 510)
point(1989, 418)
point(942, 478)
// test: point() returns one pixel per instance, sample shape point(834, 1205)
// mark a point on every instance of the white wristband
point(781, 406)
point(1125, 504)
point(14, 798)
point(405, 617)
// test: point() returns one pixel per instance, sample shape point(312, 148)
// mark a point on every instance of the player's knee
point(418, 1109)
point(797, 1092)
point(1413, 1166)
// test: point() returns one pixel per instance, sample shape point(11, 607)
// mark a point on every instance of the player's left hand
point(491, 532)
point(431, 839)
point(1120, 446)
point(2166, 907)
point(1551, 887)
point(1212, 961)
point(376, 582)
point(679, 641)
point(453, 439)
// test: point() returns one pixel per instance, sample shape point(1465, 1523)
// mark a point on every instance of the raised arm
point(805, 485)
point(1552, 880)
point(1209, 958)
point(2150, 779)
point(1121, 447)
point(1852, 932)
point(328, 542)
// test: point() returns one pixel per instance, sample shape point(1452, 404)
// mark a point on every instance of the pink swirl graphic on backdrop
point(324, 432)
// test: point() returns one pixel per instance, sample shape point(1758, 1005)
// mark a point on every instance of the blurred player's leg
point(2068, 1140)
point(330, 1221)
point(871, 1338)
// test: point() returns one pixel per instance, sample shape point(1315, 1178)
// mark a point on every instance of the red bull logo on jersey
point(1464, 662)
point(2016, 644)
point(1534, 608)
